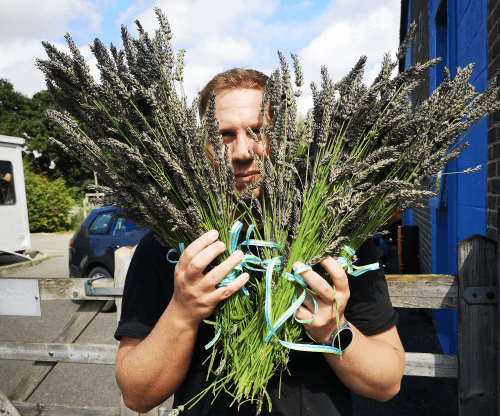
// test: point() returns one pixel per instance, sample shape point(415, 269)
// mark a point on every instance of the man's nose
point(240, 148)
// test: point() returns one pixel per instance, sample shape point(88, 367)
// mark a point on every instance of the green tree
point(23, 117)
point(48, 201)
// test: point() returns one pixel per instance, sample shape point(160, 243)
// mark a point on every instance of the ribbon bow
point(252, 262)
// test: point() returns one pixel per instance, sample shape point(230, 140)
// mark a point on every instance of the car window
point(101, 223)
point(125, 228)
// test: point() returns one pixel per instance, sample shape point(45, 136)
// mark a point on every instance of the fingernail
point(238, 253)
point(213, 234)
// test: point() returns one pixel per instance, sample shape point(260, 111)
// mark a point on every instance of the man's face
point(236, 110)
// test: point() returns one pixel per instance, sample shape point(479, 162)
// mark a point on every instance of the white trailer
point(14, 226)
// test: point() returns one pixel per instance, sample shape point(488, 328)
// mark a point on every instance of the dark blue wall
point(465, 212)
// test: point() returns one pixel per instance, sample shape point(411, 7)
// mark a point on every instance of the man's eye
point(226, 137)
point(257, 133)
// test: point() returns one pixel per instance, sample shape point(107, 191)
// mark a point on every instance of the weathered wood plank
point(434, 291)
point(40, 409)
point(406, 291)
point(73, 289)
point(7, 407)
point(71, 331)
point(59, 353)
point(417, 364)
point(123, 256)
point(431, 365)
point(67, 288)
point(477, 349)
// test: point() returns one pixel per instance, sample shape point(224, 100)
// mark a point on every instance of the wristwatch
point(341, 337)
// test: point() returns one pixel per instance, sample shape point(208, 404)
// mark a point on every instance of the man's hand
point(195, 294)
point(325, 321)
point(371, 366)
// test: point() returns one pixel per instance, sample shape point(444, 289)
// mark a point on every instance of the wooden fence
point(473, 292)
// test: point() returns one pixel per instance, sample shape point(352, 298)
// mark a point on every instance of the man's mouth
point(247, 177)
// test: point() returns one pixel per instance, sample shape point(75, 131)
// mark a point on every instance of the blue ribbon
point(250, 262)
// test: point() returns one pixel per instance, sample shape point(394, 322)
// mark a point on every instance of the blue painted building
point(456, 30)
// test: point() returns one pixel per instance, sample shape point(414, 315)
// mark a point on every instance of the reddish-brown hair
point(232, 79)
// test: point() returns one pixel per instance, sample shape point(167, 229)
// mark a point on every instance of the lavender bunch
point(363, 153)
point(141, 137)
point(143, 141)
point(145, 144)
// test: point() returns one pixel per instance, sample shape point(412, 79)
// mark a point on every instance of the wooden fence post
point(498, 311)
point(477, 326)
point(123, 257)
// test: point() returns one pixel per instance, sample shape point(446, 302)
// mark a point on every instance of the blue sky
point(217, 34)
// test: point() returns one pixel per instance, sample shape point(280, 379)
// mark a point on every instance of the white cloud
point(225, 50)
point(127, 14)
point(196, 76)
point(263, 34)
point(28, 19)
point(212, 32)
point(208, 58)
point(340, 45)
point(192, 20)
point(304, 104)
point(91, 61)
point(110, 3)
point(17, 64)
point(217, 35)
point(304, 5)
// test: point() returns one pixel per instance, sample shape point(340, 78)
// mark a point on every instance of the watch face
point(343, 339)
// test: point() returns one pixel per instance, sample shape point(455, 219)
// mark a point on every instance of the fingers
point(222, 270)
point(224, 292)
point(317, 283)
point(309, 303)
point(336, 272)
point(304, 313)
point(201, 260)
point(196, 246)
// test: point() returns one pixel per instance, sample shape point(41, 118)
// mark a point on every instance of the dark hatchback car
point(92, 248)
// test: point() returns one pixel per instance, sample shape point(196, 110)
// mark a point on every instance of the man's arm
point(149, 371)
point(371, 366)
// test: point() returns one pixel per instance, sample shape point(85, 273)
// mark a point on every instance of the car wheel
point(110, 305)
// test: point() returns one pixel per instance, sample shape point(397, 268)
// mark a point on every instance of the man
point(162, 331)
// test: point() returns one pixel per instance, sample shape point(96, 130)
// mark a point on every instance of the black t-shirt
point(310, 387)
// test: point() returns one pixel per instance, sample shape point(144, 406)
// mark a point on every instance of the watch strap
point(341, 337)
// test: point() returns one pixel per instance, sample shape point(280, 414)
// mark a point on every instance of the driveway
point(49, 243)
point(53, 245)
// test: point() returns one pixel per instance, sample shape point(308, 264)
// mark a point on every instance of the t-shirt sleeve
point(369, 307)
point(148, 289)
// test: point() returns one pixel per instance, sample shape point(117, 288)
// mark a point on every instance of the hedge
point(49, 203)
